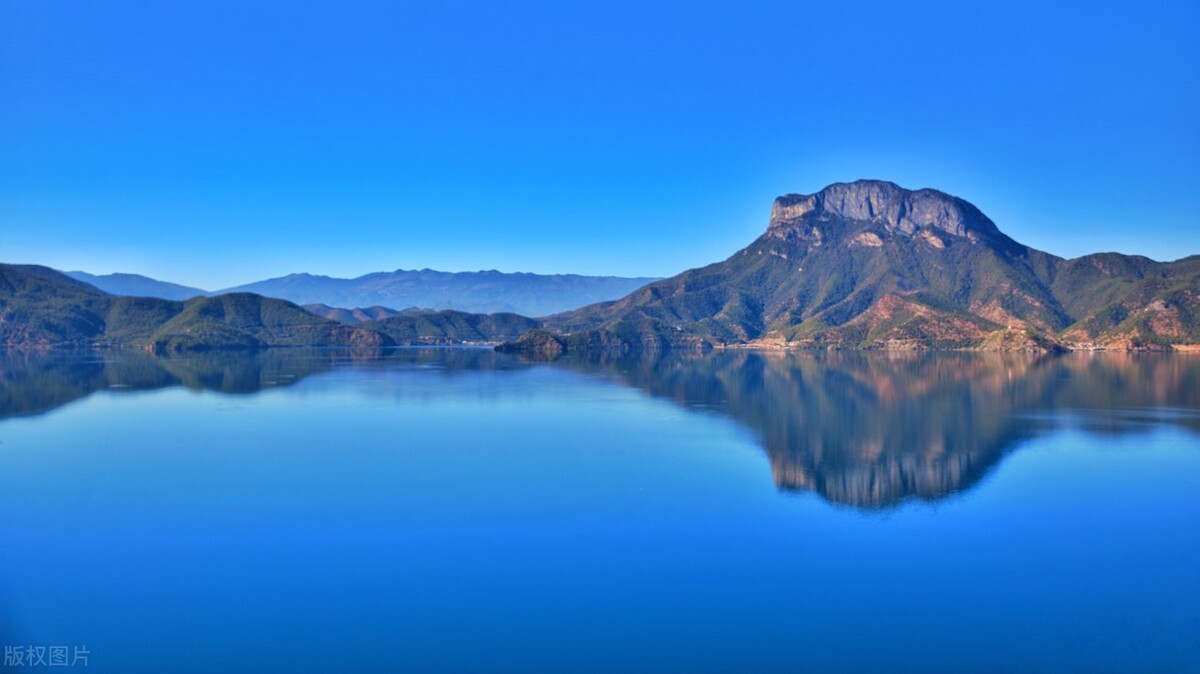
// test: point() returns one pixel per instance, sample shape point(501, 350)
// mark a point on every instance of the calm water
point(458, 510)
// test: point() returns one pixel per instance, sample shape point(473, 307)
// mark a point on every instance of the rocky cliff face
point(892, 207)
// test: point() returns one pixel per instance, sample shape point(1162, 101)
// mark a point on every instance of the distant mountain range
point(474, 292)
point(872, 265)
point(136, 285)
point(857, 265)
point(41, 308)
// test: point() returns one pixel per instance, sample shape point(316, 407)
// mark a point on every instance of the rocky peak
point(885, 203)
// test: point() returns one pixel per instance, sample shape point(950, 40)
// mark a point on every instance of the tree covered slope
point(42, 308)
point(870, 264)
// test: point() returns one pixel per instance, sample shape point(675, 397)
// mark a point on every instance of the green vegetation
point(243, 320)
point(851, 276)
point(538, 344)
point(860, 265)
point(42, 308)
point(452, 327)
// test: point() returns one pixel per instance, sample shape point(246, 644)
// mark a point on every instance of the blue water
point(459, 510)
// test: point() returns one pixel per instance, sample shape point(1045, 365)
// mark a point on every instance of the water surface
point(460, 510)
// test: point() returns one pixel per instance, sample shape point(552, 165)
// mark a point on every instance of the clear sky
point(213, 143)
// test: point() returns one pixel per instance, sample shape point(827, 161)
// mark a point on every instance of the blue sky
point(214, 143)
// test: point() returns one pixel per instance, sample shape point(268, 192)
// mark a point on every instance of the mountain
point(385, 294)
point(245, 320)
point(135, 285)
point(857, 265)
point(475, 292)
point(869, 264)
point(43, 308)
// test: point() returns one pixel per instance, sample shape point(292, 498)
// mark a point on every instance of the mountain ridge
point(864, 265)
point(136, 285)
point(869, 264)
point(41, 308)
point(487, 291)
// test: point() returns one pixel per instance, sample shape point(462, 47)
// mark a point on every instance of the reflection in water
point(873, 429)
point(866, 429)
point(33, 383)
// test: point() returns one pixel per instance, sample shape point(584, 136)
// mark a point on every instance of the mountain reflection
point(874, 429)
point(34, 383)
point(864, 429)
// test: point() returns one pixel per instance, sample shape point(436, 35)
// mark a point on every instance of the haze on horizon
point(212, 144)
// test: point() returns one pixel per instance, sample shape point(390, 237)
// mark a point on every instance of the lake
point(461, 510)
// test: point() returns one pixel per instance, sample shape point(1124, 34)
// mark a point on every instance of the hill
point(452, 327)
point(358, 315)
point(872, 265)
point(473, 292)
point(42, 308)
point(244, 320)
